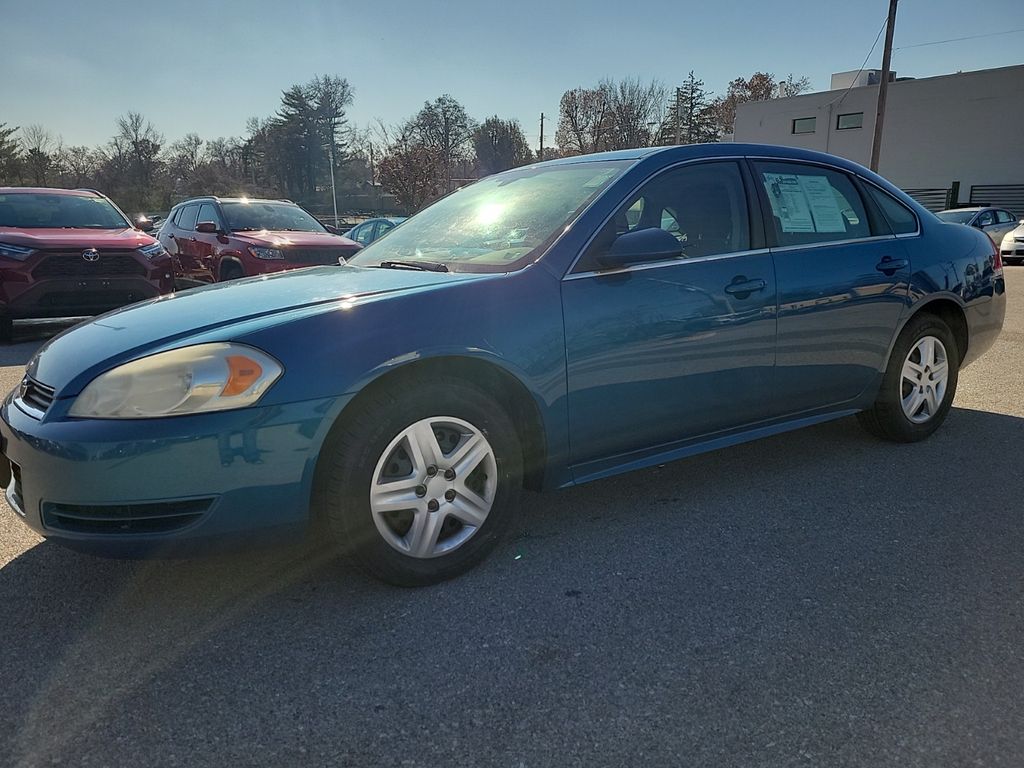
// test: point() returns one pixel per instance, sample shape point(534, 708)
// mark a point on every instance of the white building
point(957, 138)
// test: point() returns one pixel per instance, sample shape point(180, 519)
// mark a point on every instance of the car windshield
point(28, 210)
point(498, 224)
point(957, 217)
point(257, 214)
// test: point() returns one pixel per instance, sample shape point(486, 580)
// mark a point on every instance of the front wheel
point(419, 483)
point(919, 383)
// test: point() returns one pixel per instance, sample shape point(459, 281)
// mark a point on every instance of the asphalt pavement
point(815, 599)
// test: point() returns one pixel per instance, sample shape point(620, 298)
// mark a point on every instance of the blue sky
point(206, 67)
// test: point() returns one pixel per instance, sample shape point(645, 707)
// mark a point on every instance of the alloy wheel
point(924, 379)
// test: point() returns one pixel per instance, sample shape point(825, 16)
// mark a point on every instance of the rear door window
point(187, 218)
point(809, 204)
point(1004, 217)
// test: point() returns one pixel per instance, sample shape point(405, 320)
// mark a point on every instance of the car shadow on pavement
point(712, 597)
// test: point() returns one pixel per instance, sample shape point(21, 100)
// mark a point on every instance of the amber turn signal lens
point(244, 372)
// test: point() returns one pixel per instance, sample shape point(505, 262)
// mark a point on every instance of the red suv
point(71, 252)
point(213, 239)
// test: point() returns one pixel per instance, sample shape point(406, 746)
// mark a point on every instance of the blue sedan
point(541, 328)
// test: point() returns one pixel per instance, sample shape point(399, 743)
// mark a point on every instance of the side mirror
point(652, 244)
point(207, 227)
point(144, 224)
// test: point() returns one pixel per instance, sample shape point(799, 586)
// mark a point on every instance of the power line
point(958, 39)
point(863, 64)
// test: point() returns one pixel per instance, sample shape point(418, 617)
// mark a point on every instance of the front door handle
point(741, 288)
point(890, 266)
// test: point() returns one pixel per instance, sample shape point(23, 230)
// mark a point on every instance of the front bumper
point(171, 487)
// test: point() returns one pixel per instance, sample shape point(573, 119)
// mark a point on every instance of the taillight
point(997, 258)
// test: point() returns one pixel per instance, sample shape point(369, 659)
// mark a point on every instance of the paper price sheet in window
point(804, 203)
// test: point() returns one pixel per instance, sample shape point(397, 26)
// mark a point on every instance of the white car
point(1012, 249)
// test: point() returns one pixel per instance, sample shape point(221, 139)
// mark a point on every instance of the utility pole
point(540, 150)
point(334, 191)
point(373, 183)
point(883, 87)
point(678, 137)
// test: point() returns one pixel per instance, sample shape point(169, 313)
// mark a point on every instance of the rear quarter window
point(900, 218)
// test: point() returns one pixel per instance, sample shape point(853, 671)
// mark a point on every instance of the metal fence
point(935, 199)
point(1008, 196)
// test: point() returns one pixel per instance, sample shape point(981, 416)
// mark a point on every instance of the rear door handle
point(889, 266)
point(741, 287)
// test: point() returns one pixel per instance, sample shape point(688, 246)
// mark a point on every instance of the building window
point(852, 120)
point(804, 125)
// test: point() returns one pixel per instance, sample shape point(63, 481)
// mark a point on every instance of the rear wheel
point(919, 383)
point(419, 484)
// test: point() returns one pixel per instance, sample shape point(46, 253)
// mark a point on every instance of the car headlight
point(17, 252)
point(266, 253)
point(154, 251)
point(196, 379)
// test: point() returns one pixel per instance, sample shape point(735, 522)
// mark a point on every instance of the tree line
point(293, 152)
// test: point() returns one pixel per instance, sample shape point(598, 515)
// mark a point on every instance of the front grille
point(319, 256)
point(94, 301)
point(149, 517)
point(71, 264)
point(35, 395)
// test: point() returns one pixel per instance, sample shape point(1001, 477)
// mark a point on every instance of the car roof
point(710, 151)
point(216, 199)
point(966, 209)
point(49, 191)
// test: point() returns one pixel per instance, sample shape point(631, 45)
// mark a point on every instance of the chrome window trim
point(677, 262)
point(827, 243)
point(569, 272)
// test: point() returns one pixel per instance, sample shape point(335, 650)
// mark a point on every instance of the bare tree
point(635, 112)
point(582, 120)
point(760, 86)
point(37, 144)
point(500, 145)
point(444, 127)
point(614, 115)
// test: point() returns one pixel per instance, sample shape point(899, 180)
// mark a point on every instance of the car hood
point(278, 239)
point(217, 312)
point(50, 239)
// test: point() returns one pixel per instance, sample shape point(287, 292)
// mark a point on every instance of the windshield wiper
point(422, 266)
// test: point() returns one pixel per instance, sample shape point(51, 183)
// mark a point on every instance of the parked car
point(213, 239)
point(1012, 248)
point(72, 252)
point(995, 222)
point(367, 231)
point(399, 403)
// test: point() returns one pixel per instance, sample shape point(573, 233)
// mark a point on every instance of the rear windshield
point(30, 210)
point(957, 217)
point(257, 215)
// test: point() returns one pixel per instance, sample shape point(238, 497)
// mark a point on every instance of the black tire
point(230, 270)
point(350, 455)
point(6, 330)
point(886, 418)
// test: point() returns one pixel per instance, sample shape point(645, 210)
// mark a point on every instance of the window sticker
point(804, 203)
point(789, 202)
point(824, 206)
